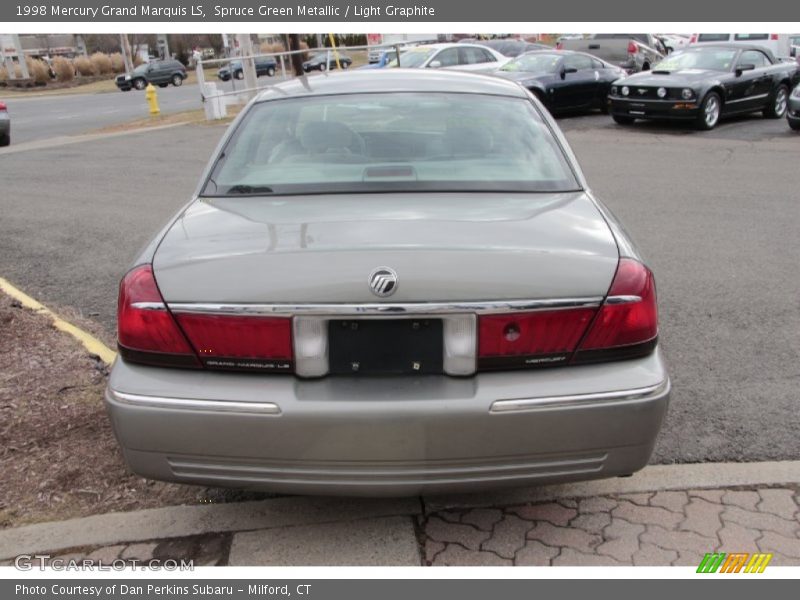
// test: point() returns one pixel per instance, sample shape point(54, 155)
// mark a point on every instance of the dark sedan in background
point(264, 66)
point(563, 80)
point(324, 61)
point(702, 84)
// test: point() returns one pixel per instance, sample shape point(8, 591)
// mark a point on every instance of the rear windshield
point(747, 37)
point(391, 142)
point(534, 63)
point(713, 37)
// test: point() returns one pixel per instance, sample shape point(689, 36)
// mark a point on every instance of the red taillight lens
point(521, 340)
point(3, 106)
point(632, 47)
point(693, 38)
point(146, 331)
point(240, 342)
point(773, 37)
point(627, 323)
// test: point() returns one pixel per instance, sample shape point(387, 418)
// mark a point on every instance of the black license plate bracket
point(385, 346)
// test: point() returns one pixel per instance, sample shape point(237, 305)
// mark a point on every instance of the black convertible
point(701, 84)
point(563, 80)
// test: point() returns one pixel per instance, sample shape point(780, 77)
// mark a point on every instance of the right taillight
point(626, 325)
point(632, 47)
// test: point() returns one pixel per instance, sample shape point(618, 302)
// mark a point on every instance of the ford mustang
point(702, 84)
point(388, 283)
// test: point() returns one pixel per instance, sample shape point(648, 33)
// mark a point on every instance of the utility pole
point(297, 59)
point(125, 49)
point(248, 65)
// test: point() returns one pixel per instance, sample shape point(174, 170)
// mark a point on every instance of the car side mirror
point(435, 64)
point(742, 68)
point(566, 70)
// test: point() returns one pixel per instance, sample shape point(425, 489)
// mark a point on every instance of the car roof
point(393, 80)
point(724, 46)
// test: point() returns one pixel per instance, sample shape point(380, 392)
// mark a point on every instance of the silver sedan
point(389, 282)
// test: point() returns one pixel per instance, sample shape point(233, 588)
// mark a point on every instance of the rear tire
point(778, 103)
point(271, 72)
point(177, 80)
point(345, 65)
point(621, 120)
point(323, 67)
point(239, 75)
point(710, 110)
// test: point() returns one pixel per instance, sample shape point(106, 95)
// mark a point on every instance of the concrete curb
point(180, 521)
point(65, 140)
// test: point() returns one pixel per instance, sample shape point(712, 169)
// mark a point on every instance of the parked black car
point(324, 61)
point(793, 114)
point(563, 80)
point(265, 65)
point(701, 84)
point(157, 72)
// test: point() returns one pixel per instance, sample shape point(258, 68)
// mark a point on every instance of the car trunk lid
point(443, 247)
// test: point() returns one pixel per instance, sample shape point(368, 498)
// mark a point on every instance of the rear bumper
point(679, 110)
point(793, 113)
point(388, 436)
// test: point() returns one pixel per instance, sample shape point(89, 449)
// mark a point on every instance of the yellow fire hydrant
point(152, 99)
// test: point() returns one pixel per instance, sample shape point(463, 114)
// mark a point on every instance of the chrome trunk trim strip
point(387, 309)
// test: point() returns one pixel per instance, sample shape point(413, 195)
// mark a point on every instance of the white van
point(777, 43)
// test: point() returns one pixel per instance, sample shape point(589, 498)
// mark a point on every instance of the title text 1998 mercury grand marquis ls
point(389, 282)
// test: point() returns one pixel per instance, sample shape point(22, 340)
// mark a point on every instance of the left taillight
point(149, 333)
point(146, 330)
point(3, 107)
point(241, 343)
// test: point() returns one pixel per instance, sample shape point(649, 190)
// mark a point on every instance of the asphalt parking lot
point(715, 213)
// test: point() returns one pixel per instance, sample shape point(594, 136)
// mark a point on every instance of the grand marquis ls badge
point(383, 281)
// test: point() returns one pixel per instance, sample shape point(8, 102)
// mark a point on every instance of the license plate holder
point(385, 346)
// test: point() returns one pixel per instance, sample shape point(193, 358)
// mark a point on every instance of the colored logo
point(734, 562)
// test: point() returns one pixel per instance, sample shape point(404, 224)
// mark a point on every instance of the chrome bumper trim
point(530, 404)
point(261, 408)
point(416, 308)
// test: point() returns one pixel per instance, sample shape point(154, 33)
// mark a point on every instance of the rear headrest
point(320, 136)
point(471, 140)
